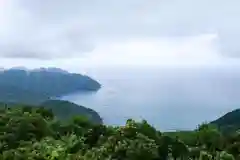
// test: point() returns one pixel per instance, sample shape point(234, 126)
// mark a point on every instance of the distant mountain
point(229, 122)
point(66, 109)
point(18, 84)
point(12, 94)
point(50, 69)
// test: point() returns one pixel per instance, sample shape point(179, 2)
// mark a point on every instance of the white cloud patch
point(112, 32)
point(197, 50)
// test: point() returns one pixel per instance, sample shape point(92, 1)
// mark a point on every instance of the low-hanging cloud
point(44, 29)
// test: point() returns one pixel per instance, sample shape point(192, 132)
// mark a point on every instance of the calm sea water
point(169, 99)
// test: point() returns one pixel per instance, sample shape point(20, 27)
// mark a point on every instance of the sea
point(168, 98)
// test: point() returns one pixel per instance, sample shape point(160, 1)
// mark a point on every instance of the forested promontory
point(35, 86)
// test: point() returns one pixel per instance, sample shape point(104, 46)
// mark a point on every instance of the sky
point(110, 33)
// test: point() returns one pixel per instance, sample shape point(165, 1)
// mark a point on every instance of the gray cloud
point(62, 28)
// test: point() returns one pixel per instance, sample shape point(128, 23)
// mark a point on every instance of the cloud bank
point(109, 31)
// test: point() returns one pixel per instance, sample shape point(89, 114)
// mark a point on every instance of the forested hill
point(34, 133)
point(63, 110)
point(16, 85)
point(13, 94)
point(230, 122)
point(66, 110)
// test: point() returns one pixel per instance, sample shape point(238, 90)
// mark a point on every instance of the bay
point(169, 99)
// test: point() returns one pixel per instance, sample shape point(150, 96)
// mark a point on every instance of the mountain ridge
point(42, 84)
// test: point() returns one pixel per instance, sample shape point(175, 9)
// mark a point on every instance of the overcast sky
point(94, 33)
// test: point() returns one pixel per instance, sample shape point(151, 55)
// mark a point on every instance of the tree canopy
point(34, 133)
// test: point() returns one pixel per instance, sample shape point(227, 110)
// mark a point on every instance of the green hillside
point(229, 122)
point(66, 110)
point(13, 94)
point(36, 86)
point(33, 133)
point(63, 110)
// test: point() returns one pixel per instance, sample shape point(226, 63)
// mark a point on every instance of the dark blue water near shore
point(168, 99)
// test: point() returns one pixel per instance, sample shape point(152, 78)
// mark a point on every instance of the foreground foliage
point(35, 134)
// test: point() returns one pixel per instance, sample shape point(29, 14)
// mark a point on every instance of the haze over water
point(169, 99)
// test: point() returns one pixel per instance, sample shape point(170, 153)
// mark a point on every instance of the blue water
point(169, 99)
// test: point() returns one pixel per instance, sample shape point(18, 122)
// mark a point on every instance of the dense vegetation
point(65, 110)
point(229, 122)
point(35, 86)
point(35, 134)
